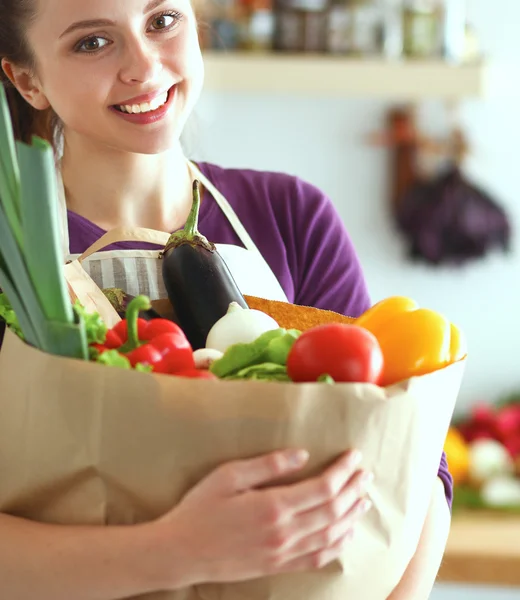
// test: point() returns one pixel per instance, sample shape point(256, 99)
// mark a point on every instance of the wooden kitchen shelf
point(332, 75)
point(483, 549)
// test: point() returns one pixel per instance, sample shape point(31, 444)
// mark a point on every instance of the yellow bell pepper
point(414, 340)
point(377, 316)
point(458, 347)
point(457, 455)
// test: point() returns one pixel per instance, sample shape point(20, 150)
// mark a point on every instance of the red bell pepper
point(196, 374)
point(160, 343)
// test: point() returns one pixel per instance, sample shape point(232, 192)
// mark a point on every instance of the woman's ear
point(27, 84)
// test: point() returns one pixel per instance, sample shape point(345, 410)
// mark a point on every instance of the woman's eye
point(166, 21)
point(92, 44)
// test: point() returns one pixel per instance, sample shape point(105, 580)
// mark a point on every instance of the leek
point(31, 269)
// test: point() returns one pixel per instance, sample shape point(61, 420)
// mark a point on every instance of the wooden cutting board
point(483, 548)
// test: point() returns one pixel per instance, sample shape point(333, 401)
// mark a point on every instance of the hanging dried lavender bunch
point(448, 220)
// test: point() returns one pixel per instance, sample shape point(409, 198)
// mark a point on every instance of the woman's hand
point(227, 529)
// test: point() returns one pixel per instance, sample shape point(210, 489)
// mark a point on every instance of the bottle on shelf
point(392, 44)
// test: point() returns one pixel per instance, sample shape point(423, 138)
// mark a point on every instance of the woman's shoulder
point(300, 233)
point(256, 186)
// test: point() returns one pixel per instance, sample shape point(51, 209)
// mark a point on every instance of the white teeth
point(146, 106)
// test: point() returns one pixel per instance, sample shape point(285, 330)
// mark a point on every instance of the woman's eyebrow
point(90, 24)
point(93, 23)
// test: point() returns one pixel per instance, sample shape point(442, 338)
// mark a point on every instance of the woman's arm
point(419, 578)
point(84, 563)
point(224, 529)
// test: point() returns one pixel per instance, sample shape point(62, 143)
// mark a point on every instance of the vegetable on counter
point(239, 326)
point(488, 458)
point(457, 454)
point(483, 452)
point(415, 341)
point(159, 343)
point(345, 353)
point(199, 284)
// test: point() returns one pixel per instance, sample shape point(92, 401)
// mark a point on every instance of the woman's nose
point(140, 63)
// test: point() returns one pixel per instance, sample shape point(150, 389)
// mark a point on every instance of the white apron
point(140, 271)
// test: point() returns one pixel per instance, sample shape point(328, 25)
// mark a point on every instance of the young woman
point(112, 84)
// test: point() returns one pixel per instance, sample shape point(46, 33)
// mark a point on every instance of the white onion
point(239, 326)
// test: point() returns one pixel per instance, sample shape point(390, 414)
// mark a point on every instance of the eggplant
point(198, 281)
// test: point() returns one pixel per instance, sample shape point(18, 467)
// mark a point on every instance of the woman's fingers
point(332, 532)
point(350, 504)
point(315, 560)
point(242, 475)
point(322, 489)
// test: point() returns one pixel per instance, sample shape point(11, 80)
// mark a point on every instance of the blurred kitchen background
point(406, 113)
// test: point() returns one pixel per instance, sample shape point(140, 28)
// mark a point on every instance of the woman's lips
point(149, 117)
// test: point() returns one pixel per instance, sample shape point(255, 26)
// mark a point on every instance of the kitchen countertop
point(483, 548)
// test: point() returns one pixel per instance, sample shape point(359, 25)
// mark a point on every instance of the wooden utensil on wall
point(407, 143)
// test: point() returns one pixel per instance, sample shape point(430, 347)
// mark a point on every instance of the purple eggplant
point(199, 284)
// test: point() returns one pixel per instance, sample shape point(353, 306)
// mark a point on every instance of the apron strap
point(126, 234)
point(226, 208)
point(160, 238)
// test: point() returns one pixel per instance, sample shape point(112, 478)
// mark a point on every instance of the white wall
point(324, 142)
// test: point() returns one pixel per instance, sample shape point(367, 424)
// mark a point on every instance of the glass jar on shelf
point(422, 28)
point(355, 27)
point(339, 28)
point(257, 25)
point(301, 25)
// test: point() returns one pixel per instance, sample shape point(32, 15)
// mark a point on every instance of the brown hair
point(15, 17)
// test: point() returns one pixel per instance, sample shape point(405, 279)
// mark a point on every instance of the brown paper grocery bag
point(83, 288)
point(86, 443)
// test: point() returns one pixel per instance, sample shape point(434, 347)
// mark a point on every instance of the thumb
point(242, 475)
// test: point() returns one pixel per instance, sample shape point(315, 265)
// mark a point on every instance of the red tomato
point(347, 353)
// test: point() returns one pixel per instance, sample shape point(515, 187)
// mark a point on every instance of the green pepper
point(271, 347)
point(278, 348)
point(240, 356)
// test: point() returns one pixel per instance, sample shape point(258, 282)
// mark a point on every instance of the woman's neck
point(113, 188)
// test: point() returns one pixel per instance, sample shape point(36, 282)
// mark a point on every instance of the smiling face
point(121, 73)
